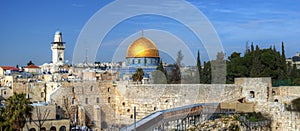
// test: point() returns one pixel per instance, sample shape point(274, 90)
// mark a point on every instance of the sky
point(28, 27)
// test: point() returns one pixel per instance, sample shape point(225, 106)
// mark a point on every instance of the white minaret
point(58, 49)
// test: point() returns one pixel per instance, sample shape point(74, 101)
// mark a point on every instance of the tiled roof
point(9, 68)
point(31, 66)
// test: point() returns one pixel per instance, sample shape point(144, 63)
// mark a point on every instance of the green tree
point(175, 76)
point(255, 69)
point(236, 67)
point(199, 65)
point(206, 77)
point(283, 58)
point(160, 75)
point(218, 69)
point(138, 75)
point(17, 112)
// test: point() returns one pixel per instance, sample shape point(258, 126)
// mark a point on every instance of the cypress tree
point(199, 65)
point(283, 58)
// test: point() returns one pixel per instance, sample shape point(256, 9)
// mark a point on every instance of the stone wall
point(116, 100)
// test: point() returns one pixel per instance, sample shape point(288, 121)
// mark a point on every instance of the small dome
point(142, 47)
point(58, 33)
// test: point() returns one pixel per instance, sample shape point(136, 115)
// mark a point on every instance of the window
point(73, 89)
point(252, 94)
point(108, 89)
point(108, 100)
point(86, 100)
point(97, 100)
point(91, 88)
point(139, 61)
point(73, 100)
point(133, 61)
point(123, 103)
point(128, 110)
point(276, 100)
point(4, 92)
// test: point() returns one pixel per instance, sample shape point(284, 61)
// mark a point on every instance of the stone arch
point(62, 128)
point(43, 129)
point(53, 128)
point(32, 129)
point(273, 92)
point(252, 94)
point(276, 100)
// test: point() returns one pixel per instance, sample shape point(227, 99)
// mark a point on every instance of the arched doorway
point(32, 129)
point(62, 128)
point(43, 129)
point(53, 128)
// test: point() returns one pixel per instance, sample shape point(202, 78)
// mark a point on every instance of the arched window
point(43, 129)
point(97, 100)
point(108, 100)
point(108, 89)
point(73, 100)
point(123, 103)
point(252, 94)
point(276, 100)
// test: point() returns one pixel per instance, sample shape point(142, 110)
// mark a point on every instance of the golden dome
point(142, 47)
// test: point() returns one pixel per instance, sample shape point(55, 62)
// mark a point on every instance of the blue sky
point(27, 27)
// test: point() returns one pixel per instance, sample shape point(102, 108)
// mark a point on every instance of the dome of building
point(142, 47)
point(58, 33)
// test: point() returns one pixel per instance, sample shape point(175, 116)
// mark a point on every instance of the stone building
point(295, 60)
